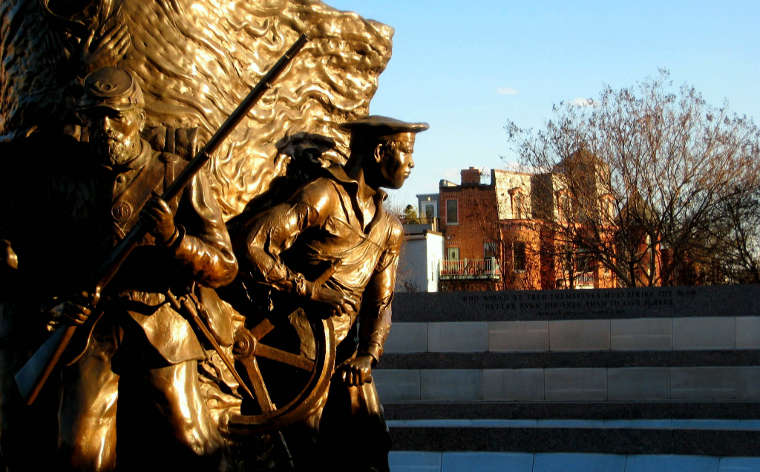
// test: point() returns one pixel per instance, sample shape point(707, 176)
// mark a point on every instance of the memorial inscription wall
point(578, 304)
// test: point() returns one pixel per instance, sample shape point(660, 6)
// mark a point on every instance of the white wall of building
point(427, 200)
point(419, 263)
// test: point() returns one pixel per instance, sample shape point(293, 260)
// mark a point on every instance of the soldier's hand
point(340, 303)
point(358, 370)
point(10, 259)
point(73, 311)
point(159, 219)
point(105, 46)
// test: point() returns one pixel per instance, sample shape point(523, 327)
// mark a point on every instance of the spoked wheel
point(287, 364)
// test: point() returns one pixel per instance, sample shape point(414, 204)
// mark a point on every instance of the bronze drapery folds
point(63, 206)
point(196, 60)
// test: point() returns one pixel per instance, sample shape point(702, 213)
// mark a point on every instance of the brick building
point(469, 221)
point(496, 236)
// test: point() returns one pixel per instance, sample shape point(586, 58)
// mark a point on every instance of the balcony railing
point(470, 269)
point(420, 224)
point(428, 221)
point(582, 280)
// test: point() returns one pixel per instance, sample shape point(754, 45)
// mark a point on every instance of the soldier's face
point(115, 134)
point(397, 163)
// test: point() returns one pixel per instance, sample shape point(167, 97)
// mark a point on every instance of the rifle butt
point(32, 376)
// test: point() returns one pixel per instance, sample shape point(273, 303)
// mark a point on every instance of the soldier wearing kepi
point(332, 249)
point(144, 354)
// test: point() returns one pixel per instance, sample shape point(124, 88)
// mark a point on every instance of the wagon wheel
point(288, 365)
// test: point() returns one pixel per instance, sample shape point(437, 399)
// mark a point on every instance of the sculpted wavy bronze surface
point(195, 60)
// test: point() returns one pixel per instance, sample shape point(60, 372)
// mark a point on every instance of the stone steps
point(579, 436)
point(716, 429)
point(411, 461)
point(572, 410)
point(626, 380)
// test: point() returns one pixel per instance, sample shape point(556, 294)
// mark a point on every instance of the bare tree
point(738, 234)
point(652, 183)
point(394, 207)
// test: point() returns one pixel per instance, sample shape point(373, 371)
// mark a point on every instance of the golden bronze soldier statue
point(143, 354)
point(333, 249)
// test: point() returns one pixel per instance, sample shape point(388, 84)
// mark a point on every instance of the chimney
point(470, 176)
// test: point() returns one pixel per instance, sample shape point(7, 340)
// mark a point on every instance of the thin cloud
point(450, 173)
point(582, 102)
point(507, 91)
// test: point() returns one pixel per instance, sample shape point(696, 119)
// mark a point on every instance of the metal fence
point(470, 269)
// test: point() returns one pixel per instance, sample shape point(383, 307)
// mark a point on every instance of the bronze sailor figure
point(333, 249)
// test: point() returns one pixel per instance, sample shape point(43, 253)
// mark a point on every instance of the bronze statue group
point(158, 375)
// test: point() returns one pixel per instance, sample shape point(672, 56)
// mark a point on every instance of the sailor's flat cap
point(377, 125)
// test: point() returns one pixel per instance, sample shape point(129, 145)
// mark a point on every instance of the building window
point(564, 206)
point(519, 204)
point(452, 217)
point(428, 211)
point(584, 262)
point(452, 253)
point(518, 256)
point(489, 249)
point(609, 207)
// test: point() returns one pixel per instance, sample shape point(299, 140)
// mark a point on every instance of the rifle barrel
point(33, 375)
point(125, 247)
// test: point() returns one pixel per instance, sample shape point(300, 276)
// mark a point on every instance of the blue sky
point(466, 67)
